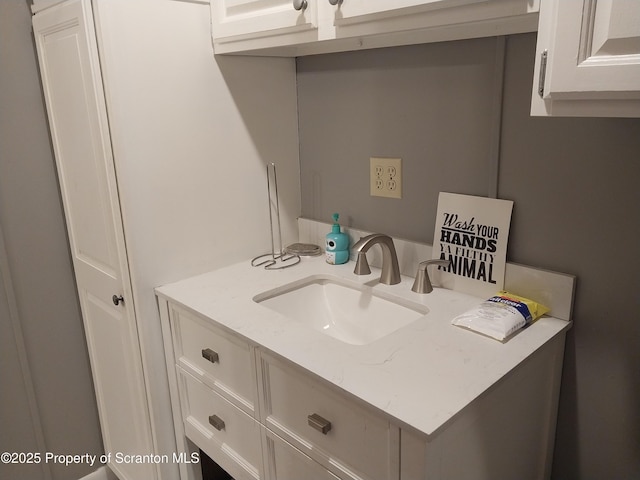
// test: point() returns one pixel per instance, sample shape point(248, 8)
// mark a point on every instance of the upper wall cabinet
point(588, 59)
point(355, 11)
point(236, 21)
point(304, 27)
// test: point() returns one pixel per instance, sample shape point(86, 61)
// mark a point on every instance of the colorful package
point(501, 315)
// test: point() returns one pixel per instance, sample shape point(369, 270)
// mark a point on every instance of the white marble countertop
point(421, 375)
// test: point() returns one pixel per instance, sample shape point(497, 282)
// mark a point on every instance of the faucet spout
point(390, 269)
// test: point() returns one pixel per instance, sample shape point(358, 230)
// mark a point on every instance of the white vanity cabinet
point(302, 27)
point(588, 59)
point(261, 417)
point(302, 429)
point(269, 398)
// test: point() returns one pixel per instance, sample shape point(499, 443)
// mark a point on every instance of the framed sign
point(472, 233)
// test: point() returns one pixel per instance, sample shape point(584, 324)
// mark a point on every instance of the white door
point(592, 54)
point(67, 53)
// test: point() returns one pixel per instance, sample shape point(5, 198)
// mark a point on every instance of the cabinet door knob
point(210, 355)
point(117, 300)
point(300, 4)
point(216, 422)
point(335, 2)
point(321, 424)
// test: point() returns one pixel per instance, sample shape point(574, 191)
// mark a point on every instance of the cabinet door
point(220, 360)
point(353, 10)
point(228, 435)
point(592, 54)
point(233, 19)
point(72, 83)
point(422, 21)
point(346, 438)
point(285, 462)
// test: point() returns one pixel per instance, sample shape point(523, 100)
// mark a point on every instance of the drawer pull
point(210, 355)
point(216, 422)
point(319, 423)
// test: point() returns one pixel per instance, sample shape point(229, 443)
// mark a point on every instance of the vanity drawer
point(285, 462)
point(349, 439)
point(225, 433)
point(220, 360)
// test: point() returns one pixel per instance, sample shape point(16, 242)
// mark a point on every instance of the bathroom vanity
point(267, 395)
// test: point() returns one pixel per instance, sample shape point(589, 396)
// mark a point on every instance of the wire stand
point(277, 259)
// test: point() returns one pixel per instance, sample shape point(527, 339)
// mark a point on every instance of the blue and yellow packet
point(501, 315)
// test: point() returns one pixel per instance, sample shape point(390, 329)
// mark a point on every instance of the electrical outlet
point(386, 177)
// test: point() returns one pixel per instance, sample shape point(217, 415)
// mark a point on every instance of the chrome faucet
point(422, 283)
point(390, 269)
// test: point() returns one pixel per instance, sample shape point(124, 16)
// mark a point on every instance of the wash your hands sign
point(472, 233)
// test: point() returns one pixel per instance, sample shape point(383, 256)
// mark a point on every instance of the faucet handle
point(362, 265)
point(422, 283)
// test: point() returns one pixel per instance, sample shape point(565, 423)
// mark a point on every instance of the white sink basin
point(348, 311)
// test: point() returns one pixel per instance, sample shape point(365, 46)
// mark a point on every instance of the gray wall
point(41, 274)
point(574, 183)
point(431, 105)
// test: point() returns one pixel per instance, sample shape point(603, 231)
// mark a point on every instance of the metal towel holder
point(276, 259)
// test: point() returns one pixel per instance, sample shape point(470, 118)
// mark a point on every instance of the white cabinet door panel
point(72, 82)
point(227, 434)
point(346, 438)
point(255, 18)
point(595, 50)
point(288, 463)
point(351, 11)
point(592, 54)
point(118, 387)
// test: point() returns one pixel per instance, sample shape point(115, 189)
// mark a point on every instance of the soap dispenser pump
point(337, 244)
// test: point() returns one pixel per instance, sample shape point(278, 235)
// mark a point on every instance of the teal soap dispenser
point(337, 244)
